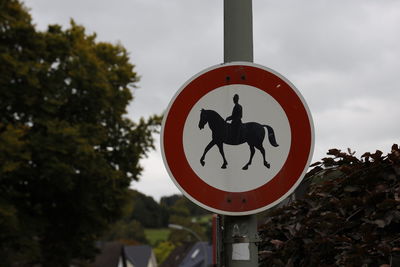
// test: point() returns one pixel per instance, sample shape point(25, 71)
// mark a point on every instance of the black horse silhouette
point(251, 133)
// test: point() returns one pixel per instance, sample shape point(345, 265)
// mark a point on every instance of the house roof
point(189, 255)
point(177, 255)
point(109, 254)
point(139, 256)
point(200, 252)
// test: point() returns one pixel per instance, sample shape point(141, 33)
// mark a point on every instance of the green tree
point(138, 212)
point(179, 202)
point(68, 153)
point(169, 201)
point(181, 214)
point(146, 210)
point(124, 231)
point(163, 250)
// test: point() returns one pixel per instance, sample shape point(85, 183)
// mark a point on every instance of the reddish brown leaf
point(333, 152)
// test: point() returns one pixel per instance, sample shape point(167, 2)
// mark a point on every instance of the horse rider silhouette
point(235, 133)
point(236, 118)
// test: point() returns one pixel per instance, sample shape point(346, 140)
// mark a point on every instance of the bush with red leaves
point(350, 215)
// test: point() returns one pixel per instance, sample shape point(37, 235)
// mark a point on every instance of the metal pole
point(240, 232)
point(238, 30)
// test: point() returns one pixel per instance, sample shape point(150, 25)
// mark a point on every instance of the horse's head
point(203, 118)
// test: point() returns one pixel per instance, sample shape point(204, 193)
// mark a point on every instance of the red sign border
point(283, 183)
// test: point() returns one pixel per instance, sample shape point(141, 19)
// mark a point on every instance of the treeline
point(143, 211)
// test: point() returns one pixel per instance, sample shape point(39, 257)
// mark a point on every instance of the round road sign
point(237, 138)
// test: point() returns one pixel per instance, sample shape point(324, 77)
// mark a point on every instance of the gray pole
point(240, 232)
point(238, 30)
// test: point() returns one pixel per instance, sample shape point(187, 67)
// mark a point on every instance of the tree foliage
point(183, 212)
point(146, 210)
point(179, 202)
point(67, 151)
point(351, 218)
point(139, 212)
point(122, 230)
point(163, 250)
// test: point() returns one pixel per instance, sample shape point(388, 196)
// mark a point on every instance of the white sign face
point(237, 138)
point(256, 107)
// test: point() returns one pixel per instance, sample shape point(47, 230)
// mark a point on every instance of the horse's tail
point(271, 136)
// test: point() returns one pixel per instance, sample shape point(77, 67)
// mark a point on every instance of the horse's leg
point(252, 150)
point(208, 147)
point(262, 150)
point(221, 150)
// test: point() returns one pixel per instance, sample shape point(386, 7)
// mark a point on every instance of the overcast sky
point(343, 56)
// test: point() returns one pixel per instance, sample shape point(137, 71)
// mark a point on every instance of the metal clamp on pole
point(240, 238)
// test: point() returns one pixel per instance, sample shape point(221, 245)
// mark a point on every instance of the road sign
point(237, 138)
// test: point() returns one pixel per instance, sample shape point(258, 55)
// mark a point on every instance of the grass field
point(155, 235)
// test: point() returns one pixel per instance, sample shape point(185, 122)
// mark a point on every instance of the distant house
point(139, 256)
point(201, 252)
point(115, 254)
point(110, 255)
point(190, 255)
